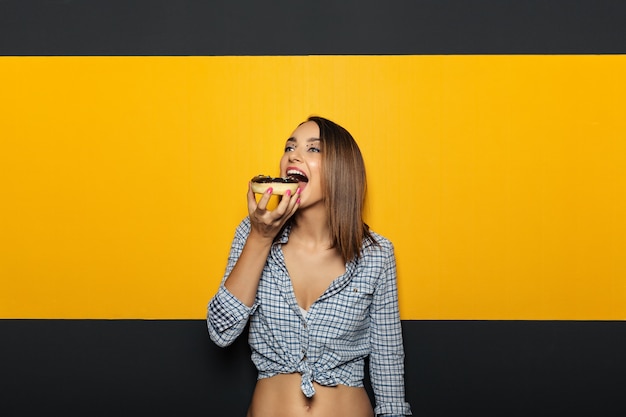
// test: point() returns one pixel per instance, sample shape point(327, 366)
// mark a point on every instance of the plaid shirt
point(357, 316)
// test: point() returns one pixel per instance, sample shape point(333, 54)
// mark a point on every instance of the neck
point(311, 226)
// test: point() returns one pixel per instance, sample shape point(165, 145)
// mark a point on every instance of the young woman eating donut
point(318, 288)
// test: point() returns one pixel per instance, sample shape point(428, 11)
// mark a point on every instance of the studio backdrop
point(495, 143)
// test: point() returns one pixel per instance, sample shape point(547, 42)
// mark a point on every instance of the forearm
point(243, 280)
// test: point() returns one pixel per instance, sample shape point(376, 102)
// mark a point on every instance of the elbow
point(221, 339)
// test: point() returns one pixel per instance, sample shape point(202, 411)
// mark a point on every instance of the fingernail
point(288, 193)
point(298, 191)
point(298, 201)
point(269, 190)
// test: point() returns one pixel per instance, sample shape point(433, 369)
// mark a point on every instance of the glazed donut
point(279, 185)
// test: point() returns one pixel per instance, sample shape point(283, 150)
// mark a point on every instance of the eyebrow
point(309, 140)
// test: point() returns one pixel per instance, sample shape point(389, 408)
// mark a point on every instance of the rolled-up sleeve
point(226, 317)
point(387, 354)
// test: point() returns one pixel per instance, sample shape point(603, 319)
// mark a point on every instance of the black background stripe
point(296, 27)
point(170, 368)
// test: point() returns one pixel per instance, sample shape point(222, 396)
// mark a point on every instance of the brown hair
point(344, 184)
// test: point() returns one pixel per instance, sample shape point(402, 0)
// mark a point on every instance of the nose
point(295, 156)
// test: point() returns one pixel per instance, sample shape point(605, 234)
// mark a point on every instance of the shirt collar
point(284, 234)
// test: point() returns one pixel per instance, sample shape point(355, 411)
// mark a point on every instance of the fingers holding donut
point(288, 204)
point(269, 222)
point(265, 185)
point(262, 202)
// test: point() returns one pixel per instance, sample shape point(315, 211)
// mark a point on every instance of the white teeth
point(295, 172)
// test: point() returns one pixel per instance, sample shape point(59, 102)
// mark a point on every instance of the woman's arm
point(243, 280)
point(226, 315)
point(387, 355)
point(229, 309)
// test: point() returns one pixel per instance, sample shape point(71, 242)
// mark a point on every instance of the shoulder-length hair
point(344, 185)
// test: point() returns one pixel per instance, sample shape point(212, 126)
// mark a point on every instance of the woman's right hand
point(268, 223)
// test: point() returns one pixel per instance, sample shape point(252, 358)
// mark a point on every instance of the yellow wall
point(500, 179)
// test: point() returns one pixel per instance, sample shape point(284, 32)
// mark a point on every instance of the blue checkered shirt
point(356, 317)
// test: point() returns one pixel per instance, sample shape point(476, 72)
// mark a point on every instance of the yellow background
point(501, 180)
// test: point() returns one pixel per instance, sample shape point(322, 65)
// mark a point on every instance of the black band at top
point(296, 27)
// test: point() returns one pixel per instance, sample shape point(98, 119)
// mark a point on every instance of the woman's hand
point(267, 223)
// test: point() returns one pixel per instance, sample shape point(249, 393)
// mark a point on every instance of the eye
point(314, 149)
point(289, 148)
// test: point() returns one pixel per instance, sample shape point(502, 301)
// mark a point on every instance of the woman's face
point(303, 159)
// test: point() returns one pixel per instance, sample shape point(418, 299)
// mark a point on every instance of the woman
point(318, 287)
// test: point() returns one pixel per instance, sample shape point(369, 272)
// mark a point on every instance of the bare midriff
point(280, 396)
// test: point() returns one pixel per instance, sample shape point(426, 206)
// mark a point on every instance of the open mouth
point(297, 174)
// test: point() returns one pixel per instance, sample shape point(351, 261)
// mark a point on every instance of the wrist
point(259, 239)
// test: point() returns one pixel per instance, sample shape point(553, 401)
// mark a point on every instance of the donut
point(279, 185)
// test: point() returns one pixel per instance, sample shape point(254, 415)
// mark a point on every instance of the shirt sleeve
point(227, 316)
point(387, 354)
